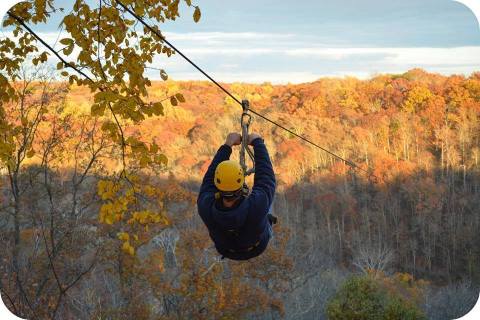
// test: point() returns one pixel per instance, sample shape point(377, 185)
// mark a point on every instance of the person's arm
point(208, 184)
point(264, 182)
point(206, 195)
point(222, 154)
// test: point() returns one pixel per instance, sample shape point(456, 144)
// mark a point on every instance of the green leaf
point(60, 65)
point(197, 14)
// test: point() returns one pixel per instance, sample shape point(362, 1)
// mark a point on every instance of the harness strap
point(247, 249)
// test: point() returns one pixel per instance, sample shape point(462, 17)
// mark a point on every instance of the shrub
point(362, 297)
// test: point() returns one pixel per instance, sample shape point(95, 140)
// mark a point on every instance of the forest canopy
point(418, 132)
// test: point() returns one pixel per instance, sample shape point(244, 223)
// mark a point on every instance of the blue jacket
point(248, 218)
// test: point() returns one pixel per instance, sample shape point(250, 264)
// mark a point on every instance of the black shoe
point(272, 219)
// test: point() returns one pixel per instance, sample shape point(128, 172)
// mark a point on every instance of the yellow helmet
point(229, 176)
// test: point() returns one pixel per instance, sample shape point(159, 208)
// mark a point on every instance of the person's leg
point(270, 230)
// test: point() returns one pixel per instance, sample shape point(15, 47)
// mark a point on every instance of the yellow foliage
point(123, 236)
point(127, 248)
point(417, 99)
point(107, 189)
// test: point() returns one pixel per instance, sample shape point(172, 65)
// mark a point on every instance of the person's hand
point(252, 136)
point(233, 139)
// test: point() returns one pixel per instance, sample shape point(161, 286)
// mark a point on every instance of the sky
point(301, 41)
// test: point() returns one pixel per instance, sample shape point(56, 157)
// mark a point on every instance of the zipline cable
point(158, 34)
point(65, 63)
point(350, 163)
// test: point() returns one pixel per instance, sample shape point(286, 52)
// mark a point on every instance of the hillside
point(417, 221)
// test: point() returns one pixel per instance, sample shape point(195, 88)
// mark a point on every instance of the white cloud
point(226, 36)
point(398, 56)
point(282, 58)
point(251, 77)
point(230, 51)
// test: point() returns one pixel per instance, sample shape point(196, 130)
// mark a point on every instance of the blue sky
point(288, 41)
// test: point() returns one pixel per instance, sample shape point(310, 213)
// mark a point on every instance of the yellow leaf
point(197, 14)
point(66, 41)
point(153, 148)
point(161, 159)
point(166, 221)
point(157, 109)
point(144, 161)
point(97, 110)
point(163, 74)
point(173, 101)
point(68, 50)
point(110, 127)
point(123, 236)
point(43, 57)
point(72, 79)
point(126, 247)
point(180, 97)
point(105, 96)
point(108, 219)
point(30, 153)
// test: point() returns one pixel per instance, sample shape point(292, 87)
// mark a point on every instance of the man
point(240, 226)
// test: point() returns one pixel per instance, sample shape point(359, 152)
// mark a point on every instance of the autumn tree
point(107, 52)
point(42, 263)
point(113, 54)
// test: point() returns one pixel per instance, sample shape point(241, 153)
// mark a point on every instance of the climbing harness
point(252, 247)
